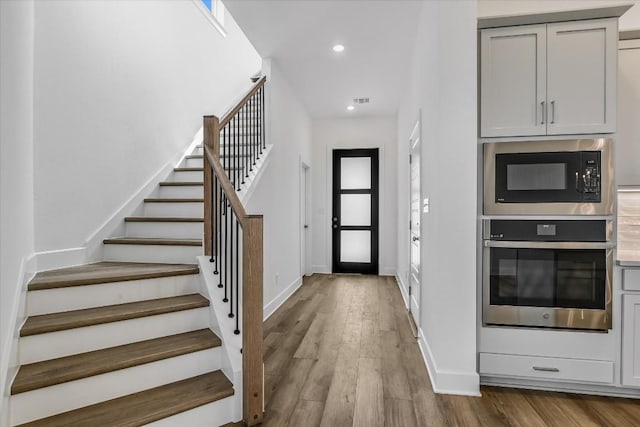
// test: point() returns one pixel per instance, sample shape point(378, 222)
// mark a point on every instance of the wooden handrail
point(231, 113)
point(227, 187)
point(216, 183)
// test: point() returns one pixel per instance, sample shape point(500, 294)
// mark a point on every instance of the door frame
point(416, 129)
point(382, 217)
point(305, 218)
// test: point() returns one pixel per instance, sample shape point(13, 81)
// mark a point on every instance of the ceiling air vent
point(360, 100)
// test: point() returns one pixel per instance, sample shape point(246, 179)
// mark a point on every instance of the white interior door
point(414, 223)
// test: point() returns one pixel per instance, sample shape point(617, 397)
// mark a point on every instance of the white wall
point(16, 173)
point(277, 195)
point(366, 132)
point(629, 21)
point(120, 89)
point(443, 87)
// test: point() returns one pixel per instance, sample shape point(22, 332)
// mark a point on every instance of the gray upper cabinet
point(549, 79)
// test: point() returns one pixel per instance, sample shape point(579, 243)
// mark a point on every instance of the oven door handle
point(548, 245)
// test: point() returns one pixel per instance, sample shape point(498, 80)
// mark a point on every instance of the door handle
point(553, 112)
point(415, 239)
point(542, 112)
point(545, 369)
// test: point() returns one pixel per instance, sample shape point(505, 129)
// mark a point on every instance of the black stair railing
point(233, 239)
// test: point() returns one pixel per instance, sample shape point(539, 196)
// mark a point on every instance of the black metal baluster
point(213, 223)
point(246, 125)
point(264, 143)
point(237, 331)
point(223, 148)
point(243, 162)
point(215, 241)
point(226, 256)
point(236, 163)
point(232, 217)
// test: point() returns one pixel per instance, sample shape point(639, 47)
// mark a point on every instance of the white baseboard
point(388, 271)
point(560, 387)
point(9, 350)
point(50, 260)
point(321, 269)
point(448, 382)
point(403, 290)
point(275, 303)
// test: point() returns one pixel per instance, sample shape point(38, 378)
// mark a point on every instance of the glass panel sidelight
point(355, 173)
point(355, 209)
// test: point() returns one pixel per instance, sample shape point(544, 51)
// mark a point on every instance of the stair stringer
point(223, 326)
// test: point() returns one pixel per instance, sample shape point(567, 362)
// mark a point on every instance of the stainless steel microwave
point(566, 177)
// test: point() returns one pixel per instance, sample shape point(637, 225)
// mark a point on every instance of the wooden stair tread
point(188, 169)
point(106, 272)
point(45, 323)
point(152, 241)
point(161, 219)
point(172, 200)
point(70, 368)
point(180, 184)
point(146, 406)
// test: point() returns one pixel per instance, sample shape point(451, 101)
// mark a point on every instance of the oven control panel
point(548, 230)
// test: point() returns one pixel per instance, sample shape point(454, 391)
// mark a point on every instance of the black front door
point(355, 211)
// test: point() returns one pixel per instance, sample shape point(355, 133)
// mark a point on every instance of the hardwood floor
point(340, 352)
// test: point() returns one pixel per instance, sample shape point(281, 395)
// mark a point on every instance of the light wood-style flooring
point(340, 353)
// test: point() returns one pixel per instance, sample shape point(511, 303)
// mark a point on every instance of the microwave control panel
point(591, 175)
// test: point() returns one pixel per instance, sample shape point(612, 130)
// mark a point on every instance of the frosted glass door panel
point(355, 173)
point(355, 246)
point(355, 209)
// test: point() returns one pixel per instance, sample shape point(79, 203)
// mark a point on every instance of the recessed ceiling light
point(338, 48)
point(351, 107)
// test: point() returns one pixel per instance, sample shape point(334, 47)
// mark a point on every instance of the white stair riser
point(192, 163)
point(152, 253)
point(35, 348)
point(181, 192)
point(212, 414)
point(168, 230)
point(187, 176)
point(64, 397)
point(177, 210)
point(97, 295)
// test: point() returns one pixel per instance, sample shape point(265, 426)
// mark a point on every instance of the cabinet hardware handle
point(553, 112)
point(545, 369)
point(577, 181)
point(542, 112)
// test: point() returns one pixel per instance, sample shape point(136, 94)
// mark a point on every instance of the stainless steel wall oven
point(543, 273)
point(571, 177)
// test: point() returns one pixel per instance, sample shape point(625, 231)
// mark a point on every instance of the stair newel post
point(252, 318)
point(211, 139)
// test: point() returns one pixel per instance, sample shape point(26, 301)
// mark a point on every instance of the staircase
point(129, 341)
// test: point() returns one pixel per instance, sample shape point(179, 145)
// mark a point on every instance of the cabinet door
point(631, 340)
point(512, 81)
point(628, 135)
point(581, 76)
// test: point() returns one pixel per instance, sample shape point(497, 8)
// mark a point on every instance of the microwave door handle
point(578, 181)
point(547, 245)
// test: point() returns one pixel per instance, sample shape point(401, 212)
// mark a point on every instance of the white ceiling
point(378, 37)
